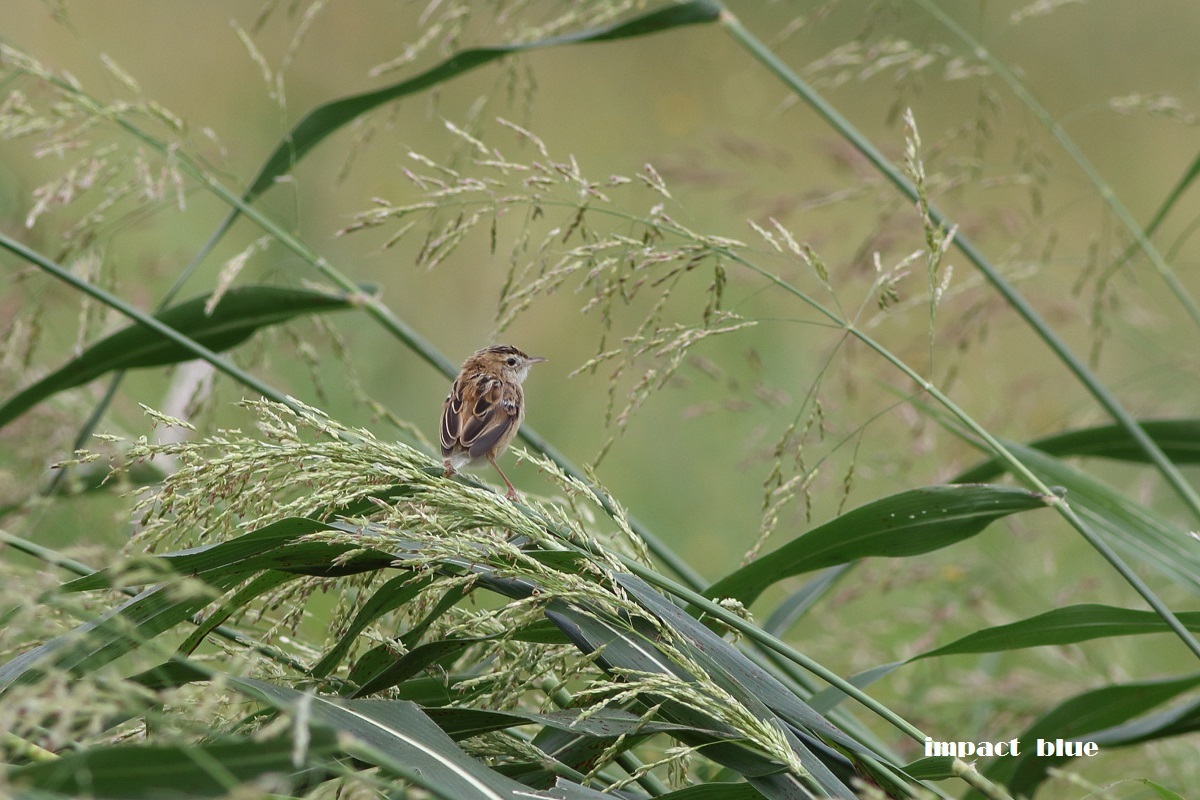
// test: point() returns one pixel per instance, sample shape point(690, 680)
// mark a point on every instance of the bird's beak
point(536, 360)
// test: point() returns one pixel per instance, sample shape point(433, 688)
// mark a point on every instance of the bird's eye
point(512, 361)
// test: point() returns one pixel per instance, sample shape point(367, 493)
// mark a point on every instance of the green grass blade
point(425, 691)
point(714, 791)
point(391, 595)
point(1165, 724)
point(370, 663)
point(754, 687)
point(417, 659)
point(129, 772)
point(1179, 439)
point(214, 557)
point(830, 697)
point(1187, 179)
point(621, 648)
point(242, 312)
point(275, 546)
point(732, 669)
point(1135, 528)
point(607, 723)
point(1069, 625)
point(145, 320)
point(1077, 718)
point(766, 641)
point(120, 631)
point(399, 738)
point(260, 585)
point(51, 557)
point(905, 524)
point(397, 671)
point(933, 768)
point(799, 602)
point(327, 118)
point(1160, 791)
point(449, 599)
point(169, 675)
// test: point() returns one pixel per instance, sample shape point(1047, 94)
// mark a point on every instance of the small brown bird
point(485, 408)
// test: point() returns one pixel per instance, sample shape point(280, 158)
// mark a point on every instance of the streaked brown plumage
point(485, 408)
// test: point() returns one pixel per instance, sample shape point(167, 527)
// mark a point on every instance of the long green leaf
point(1062, 626)
point(329, 117)
point(397, 737)
point(1058, 627)
point(158, 609)
point(114, 634)
point(416, 660)
point(184, 770)
point(420, 657)
point(905, 524)
point(714, 791)
point(828, 698)
point(735, 672)
point(262, 584)
point(1160, 791)
point(279, 545)
point(607, 723)
point(753, 686)
point(1162, 725)
point(933, 768)
point(170, 675)
point(391, 595)
point(1179, 439)
point(622, 648)
point(799, 602)
point(1077, 718)
point(241, 312)
point(1134, 527)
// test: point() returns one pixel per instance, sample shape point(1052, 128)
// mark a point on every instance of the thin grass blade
point(1134, 527)
point(1179, 439)
point(906, 524)
point(397, 737)
point(242, 312)
point(1062, 626)
point(327, 118)
point(1076, 719)
point(131, 772)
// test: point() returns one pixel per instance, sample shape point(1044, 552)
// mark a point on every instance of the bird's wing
point(479, 412)
point(493, 419)
point(452, 413)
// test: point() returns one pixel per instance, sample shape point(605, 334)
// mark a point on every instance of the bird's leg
point(512, 493)
point(450, 473)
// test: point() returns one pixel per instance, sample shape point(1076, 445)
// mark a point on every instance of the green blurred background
point(732, 146)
